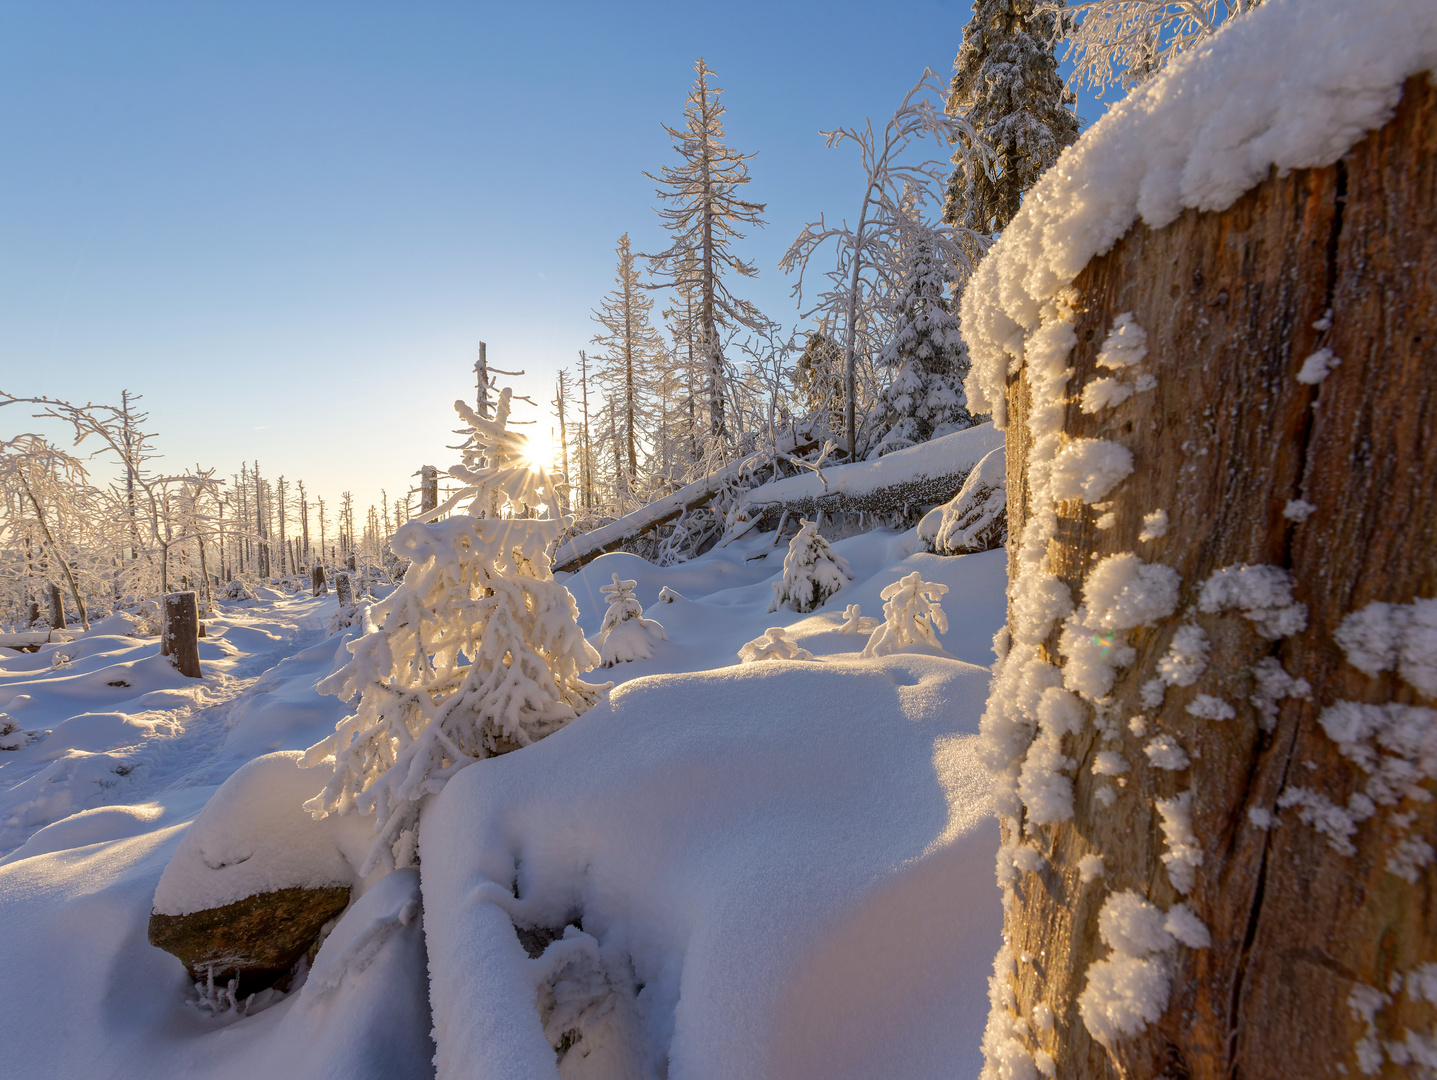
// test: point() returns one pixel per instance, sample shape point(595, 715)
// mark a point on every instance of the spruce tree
point(927, 358)
point(1006, 84)
point(703, 214)
point(633, 352)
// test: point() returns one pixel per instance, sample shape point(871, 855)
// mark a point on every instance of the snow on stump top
point(625, 634)
point(911, 614)
point(1204, 132)
point(976, 519)
point(477, 652)
point(812, 572)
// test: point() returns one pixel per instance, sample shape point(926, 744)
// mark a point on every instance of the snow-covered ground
point(780, 868)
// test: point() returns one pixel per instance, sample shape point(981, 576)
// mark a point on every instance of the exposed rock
point(257, 939)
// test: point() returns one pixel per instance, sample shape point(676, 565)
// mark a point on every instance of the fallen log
point(582, 549)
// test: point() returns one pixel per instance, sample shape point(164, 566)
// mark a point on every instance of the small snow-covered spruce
point(668, 595)
point(476, 653)
point(625, 634)
point(911, 614)
point(772, 646)
point(976, 519)
point(926, 356)
point(812, 572)
point(855, 622)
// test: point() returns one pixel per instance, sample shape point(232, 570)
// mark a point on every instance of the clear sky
point(288, 225)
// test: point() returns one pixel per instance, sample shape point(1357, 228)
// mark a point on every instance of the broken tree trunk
point(1316, 886)
point(179, 633)
point(343, 591)
point(316, 580)
point(57, 608)
point(582, 549)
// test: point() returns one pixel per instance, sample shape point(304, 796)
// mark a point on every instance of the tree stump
point(57, 608)
point(316, 580)
point(179, 633)
point(1320, 897)
point(350, 562)
point(343, 591)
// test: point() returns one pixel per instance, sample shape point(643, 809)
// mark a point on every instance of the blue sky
point(289, 224)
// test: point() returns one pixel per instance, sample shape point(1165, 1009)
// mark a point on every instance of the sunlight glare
point(539, 454)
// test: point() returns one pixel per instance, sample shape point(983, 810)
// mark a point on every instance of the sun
point(539, 453)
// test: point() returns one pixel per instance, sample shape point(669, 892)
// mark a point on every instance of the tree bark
point(179, 633)
point(57, 608)
point(428, 488)
point(1233, 303)
point(316, 577)
point(343, 591)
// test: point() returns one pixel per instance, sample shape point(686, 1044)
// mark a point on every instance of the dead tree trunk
point(428, 488)
point(1312, 873)
point(57, 608)
point(179, 633)
point(343, 591)
point(316, 578)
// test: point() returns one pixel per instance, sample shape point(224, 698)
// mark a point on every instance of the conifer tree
point(625, 634)
point(927, 358)
point(812, 572)
point(703, 214)
point(633, 354)
point(1006, 84)
point(478, 652)
point(818, 380)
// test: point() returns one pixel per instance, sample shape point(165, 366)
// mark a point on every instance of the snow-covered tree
point(911, 614)
point(927, 358)
point(772, 646)
point(632, 355)
point(1006, 85)
point(818, 380)
point(625, 634)
point(975, 519)
point(1130, 41)
point(812, 572)
point(703, 216)
point(870, 254)
point(476, 653)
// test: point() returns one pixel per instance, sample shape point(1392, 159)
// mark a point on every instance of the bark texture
point(1233, 303)
point(179, 633)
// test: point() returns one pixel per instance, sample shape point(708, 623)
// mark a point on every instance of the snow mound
point(1294, 84)
point(254, 836)
point(707, 828)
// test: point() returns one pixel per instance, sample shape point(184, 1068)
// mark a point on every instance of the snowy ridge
point(1199, 135)
point(946, 455)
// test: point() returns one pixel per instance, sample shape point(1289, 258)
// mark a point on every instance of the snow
point(812, 572)
point(1186, 658)
point(718, 849)
point(1382, 637)
point(1298, 510)
point(1184, 854)
point(1090, 867)
point(1128, 990)
point(1165, 753)
point(1208, 707)
point(626, 635)
point(254, 836)
point(1211, 126)
point(1122, 591)
point(773, 645)
point(1088, 469)
point(912, 615)
point(1317, 367)
point(968, 521)
point(751, 833)
point(1155, 526)
point(1262, 593)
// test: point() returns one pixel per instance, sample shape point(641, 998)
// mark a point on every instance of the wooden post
point(428, 488)
point(57, 608)
point(343, 591)
point(316, 578)
point(179, 633)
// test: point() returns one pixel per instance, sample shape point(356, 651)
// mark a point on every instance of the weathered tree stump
point(1321, 904)
point(179, 633)
point(316, 580)
point(350, 562)
point(343, 591)
point(57, 608)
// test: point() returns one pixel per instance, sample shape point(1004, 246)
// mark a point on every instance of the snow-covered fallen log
point(923, 475)
point(613, 536)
